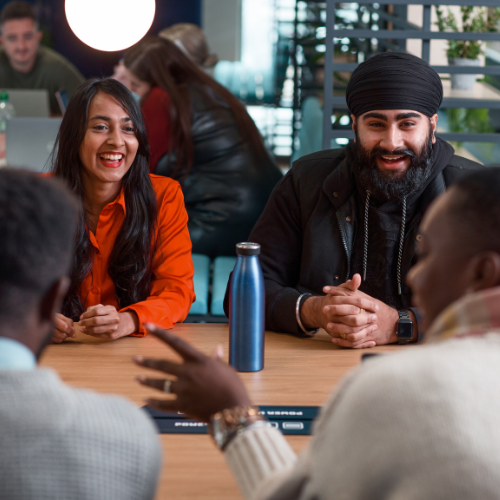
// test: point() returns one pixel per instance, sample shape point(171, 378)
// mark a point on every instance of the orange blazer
point(172, 290)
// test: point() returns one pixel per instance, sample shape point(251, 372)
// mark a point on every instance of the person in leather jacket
point(202, 136)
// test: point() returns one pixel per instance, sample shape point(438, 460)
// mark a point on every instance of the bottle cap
point(247, 248)
point(4, 96)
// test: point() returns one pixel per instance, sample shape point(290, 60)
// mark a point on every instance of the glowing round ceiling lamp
point(110, 25)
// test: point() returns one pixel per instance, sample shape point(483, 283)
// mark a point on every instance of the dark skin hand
point(201, 385)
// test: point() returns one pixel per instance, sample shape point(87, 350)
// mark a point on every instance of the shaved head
point(458, 247)
point(475, 209)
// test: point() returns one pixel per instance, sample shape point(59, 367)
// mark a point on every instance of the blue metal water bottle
point(246, 310)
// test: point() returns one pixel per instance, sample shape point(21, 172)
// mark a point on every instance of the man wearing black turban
point(338, 233)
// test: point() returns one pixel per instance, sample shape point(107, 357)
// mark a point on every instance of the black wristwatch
point(404, 329)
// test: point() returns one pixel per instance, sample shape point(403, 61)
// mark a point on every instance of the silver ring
point(167, 386)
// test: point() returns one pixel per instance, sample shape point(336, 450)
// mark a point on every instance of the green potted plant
point(466, 52)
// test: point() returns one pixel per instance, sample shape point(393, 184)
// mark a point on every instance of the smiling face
point(110, 144)
point(391, 135)
point(20, 40)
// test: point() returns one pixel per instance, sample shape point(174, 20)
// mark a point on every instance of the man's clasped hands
point(351, 317)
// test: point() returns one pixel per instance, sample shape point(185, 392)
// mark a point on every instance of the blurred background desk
point(297, 372)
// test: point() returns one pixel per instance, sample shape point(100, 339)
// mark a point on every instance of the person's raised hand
point(202, 385)
point(106, 322)
point(63, 328)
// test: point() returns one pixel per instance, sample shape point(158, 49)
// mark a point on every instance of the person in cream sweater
point(421, 423)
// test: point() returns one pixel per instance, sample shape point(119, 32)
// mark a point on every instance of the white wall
point(221, 22)
point(258, 34)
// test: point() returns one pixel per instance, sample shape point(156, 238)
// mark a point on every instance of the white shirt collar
point(15, 356)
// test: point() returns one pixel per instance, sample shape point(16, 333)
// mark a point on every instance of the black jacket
point(227, 187)
point(305, 237)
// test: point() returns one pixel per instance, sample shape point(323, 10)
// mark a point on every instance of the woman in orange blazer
point(133, 252)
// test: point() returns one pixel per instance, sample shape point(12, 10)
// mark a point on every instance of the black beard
point(386, 187)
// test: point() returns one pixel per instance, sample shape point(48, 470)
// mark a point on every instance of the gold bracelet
point(225, 425)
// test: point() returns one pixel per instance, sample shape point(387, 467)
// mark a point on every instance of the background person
point(24, 64)
point(191, 39)
point(133, 254)
point(344, 214)
point(201, 135)
point(422, 423)
point(56, 442)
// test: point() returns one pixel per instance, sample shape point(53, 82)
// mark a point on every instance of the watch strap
point(418, 318)
point(404, 318)
point(404, 315)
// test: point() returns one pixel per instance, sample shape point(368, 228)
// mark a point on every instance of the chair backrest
point(311, 133)
point(223, 266)
point(201, 309)
point(201, 282)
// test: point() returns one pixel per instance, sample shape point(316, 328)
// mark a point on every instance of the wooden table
point(297, 372)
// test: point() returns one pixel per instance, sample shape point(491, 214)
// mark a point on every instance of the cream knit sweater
point(419, 424)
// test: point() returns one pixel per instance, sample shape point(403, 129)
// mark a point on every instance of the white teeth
point(112, 157)
point(392, 158)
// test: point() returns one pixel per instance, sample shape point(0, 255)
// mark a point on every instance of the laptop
point(30, 142)
point(29, 103)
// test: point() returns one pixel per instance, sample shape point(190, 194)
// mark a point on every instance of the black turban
point(394, 80)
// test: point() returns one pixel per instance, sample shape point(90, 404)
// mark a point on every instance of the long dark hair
point(161, 63)
point(130, 261)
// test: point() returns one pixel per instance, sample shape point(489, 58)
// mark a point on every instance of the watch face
point(405, 329)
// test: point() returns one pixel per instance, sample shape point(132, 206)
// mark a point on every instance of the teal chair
point(311, 132)
point(201, 281)
point(223, 267)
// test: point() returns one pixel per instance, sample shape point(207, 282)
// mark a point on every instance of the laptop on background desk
point(30, 142)
point(32, 103)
